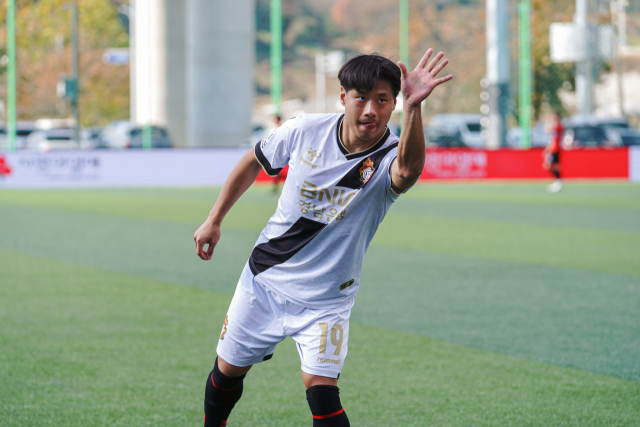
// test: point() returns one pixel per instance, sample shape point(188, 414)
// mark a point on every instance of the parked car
point(52, 139)
point(116, 134)
point(23, 130)
point(159, 137)
point(576, 136)
point(619, 133)
point(90, 137)
point(434, 138)
point(467, 126)
point(539, 136)
point(617, 129)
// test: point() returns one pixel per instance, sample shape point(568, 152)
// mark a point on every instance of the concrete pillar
point(584, 68)
point(176, 89)
point(219, 71)
point(498, 72)
point(192, 69)
point(149, 67)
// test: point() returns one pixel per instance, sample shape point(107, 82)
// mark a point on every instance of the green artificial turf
point(88, 347)
point(109, 318)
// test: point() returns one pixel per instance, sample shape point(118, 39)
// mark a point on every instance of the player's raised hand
point(207, 234)
point(418, 85)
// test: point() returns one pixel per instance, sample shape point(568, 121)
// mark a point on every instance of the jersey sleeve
point(393, 191)
point(273, 152)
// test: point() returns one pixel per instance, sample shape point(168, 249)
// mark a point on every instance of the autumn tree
point(43, 35)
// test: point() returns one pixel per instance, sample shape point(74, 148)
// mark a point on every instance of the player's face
point(367, 113)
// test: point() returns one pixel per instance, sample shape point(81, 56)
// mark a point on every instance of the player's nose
point(369, 108)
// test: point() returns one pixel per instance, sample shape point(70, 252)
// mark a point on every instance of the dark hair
point(363, 72)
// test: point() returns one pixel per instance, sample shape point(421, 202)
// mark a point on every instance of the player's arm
point(416, 87)
point(239, 180)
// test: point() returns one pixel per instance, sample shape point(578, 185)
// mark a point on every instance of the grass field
point(487, 304)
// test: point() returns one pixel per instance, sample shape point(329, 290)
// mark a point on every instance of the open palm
point(418, 85)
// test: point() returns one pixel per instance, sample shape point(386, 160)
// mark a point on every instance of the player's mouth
point(369, 125)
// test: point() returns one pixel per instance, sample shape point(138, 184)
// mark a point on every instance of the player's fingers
point(444, 79)
point(434, 61)
point(439, 68)
point(403, 69)
point(210, 250)
point(425, 59)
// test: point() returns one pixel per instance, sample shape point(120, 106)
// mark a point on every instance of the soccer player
point(551, 154)
point(345, 172)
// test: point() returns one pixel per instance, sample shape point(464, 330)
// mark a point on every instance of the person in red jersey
point(551, 154)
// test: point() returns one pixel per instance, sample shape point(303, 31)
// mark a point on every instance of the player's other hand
point(418, 84)
point(207, 234)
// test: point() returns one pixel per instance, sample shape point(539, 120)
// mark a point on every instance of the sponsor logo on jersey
point(323, 360)
point(366, 171)
point(311, 156)
point(224, 326)
point(311, 191)
point(345, 285)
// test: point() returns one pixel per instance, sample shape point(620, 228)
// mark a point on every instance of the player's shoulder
point(315, 121)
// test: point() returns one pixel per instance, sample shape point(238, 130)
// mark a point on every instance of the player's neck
point(352, 143)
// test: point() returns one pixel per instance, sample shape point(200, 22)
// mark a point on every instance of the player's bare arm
point(416, 87)
point(240, 179)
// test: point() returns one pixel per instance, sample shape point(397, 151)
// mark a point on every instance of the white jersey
point(312, 249)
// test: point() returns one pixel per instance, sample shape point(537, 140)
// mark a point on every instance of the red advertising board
point(523, 164)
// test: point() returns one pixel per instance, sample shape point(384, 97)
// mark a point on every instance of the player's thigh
point(323, 342)
point(251, 329)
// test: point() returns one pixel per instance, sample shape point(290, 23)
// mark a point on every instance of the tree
point(42, 60)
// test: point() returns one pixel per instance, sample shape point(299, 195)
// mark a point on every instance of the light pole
point(11, 74)
point(73, 83)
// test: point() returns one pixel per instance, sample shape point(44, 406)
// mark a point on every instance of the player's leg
point(555, 169)
point(223, 390)
point(249, 335)
point(323, 396)
point(322, 345)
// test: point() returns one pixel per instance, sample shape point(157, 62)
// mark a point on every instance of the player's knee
point(221, 390)
point(324, 402)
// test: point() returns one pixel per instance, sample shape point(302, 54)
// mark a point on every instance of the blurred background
point(197, 73)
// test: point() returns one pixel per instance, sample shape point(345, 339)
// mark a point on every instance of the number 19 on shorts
point(337, 335)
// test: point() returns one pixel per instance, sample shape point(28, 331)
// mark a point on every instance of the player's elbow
point(410, 173)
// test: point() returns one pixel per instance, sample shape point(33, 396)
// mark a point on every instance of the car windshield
point(631, 140)
point(615, 125)
point(474, 127)
point(589, 135)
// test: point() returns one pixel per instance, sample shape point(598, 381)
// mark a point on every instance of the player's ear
point(343, 96)
point(395, 102)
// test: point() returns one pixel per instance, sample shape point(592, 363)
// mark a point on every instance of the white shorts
point(258, 319)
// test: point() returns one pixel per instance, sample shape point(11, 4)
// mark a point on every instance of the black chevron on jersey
point(280, 249)
point(353, 178)
point(264, 162)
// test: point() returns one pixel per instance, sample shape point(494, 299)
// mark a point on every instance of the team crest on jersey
point(366, 171)
point(224, 326)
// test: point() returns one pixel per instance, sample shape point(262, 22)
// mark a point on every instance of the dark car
point(435, 138)
point(159, 137)
point(576, 136)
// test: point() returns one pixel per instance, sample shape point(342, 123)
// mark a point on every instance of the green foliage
point(104, 89)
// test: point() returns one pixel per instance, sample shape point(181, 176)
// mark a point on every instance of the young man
point(345, 171)
point(551, 153)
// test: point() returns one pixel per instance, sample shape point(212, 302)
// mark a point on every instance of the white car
point(117, 134)
point(466, 126)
